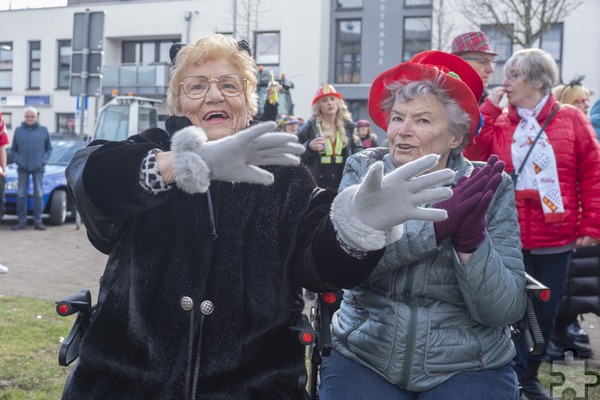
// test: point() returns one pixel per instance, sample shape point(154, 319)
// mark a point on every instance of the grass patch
point(30, 333)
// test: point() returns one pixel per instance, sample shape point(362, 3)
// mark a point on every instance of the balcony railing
point(140, 80)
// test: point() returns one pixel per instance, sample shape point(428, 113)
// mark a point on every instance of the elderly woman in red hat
point(327, 137)
point(432, 320)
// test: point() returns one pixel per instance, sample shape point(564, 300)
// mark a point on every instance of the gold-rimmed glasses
point(196, 87)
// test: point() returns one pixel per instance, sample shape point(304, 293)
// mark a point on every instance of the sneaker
point(39, 227)
point(576, 333)
point(18, 226)
point(3, 269)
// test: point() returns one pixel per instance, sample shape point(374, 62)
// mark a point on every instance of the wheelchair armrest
point(529, 327)
point(80, 303)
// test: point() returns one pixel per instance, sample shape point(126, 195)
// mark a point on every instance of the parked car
point(56, 202)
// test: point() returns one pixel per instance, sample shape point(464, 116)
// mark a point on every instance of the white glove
point(233, 158)
point(369, 215)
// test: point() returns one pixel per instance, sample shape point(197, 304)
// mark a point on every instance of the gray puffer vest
point(423, 316)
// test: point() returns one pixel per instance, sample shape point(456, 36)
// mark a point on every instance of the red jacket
point(578, 159)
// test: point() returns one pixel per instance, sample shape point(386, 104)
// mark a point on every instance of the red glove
point(468, 206)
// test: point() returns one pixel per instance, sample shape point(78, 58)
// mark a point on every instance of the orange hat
point(460, 79)
point(326, 90)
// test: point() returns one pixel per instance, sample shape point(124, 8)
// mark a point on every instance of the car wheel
point(58, 208)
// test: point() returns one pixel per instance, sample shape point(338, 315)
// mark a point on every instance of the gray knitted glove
point(369, 215)
point(233, 158)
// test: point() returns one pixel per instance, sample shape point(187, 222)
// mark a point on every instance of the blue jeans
point(37, 196)
point(344, 379)
point(551, 270)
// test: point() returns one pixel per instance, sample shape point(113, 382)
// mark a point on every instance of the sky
point(18, 4)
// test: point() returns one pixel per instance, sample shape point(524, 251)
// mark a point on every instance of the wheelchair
point(313, 331)
point(327, 303)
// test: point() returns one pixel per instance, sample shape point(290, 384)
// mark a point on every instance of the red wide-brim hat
point(460, 79)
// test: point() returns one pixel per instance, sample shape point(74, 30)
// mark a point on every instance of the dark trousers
point(2, 188)
point(551, 270)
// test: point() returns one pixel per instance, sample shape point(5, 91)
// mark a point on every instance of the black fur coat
point(268, 242)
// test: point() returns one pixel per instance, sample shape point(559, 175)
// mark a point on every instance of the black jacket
point(582, 291)
point(269, 241)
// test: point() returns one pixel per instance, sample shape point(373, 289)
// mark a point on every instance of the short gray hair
point(536, 65)
point(459, 121)
point(31, 109)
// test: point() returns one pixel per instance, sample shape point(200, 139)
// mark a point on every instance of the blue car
point(57, 203)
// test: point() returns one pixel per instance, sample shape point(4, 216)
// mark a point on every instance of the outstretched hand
point(383, 202)
point(234, 158)
point(468, 206)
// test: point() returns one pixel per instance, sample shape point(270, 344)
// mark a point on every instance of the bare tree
point(522, 21)
point(440, 35)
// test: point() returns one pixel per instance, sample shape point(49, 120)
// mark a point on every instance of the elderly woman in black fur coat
point(212, 229)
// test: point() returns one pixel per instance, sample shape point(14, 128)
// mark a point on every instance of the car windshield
point(63, 151)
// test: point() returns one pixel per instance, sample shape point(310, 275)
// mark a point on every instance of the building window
point(65, 122)
point(417, 36)
point(64, 64)
point(34, 64)
point(147, 51)
point(6, 65)
point(349, 4)
point(348, 51)
point(7, 117)
point(418, 3)
point(551, 42)
point(501, 45)
point(266, 48)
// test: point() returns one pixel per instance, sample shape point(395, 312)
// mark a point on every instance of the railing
point(140, 80)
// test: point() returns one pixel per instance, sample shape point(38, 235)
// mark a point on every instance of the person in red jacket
point(557, 190)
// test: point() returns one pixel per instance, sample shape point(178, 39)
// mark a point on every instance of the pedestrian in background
point(364, 133)
point(288, 123)
point(31, 149)
point(327, 137)
point(557, 185)
point(568, 333)
point(595, 117)
point(3, 142)
point(574, 93)
point(474, 48)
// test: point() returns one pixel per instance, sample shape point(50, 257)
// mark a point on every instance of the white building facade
point(342, 42)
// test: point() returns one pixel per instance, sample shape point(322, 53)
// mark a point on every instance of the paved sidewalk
point(50, 264)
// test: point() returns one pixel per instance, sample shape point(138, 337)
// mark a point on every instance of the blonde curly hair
point(215, 46)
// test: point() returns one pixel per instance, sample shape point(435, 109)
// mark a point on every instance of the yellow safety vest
point(333, 154)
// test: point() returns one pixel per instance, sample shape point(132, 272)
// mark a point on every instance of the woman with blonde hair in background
point(574, 93)
point(327, 137)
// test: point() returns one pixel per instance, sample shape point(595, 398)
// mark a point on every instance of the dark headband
point(175, 47)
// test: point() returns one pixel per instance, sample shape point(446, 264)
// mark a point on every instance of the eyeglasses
point(196, 87)
point(483, 61)
point(512, 75)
